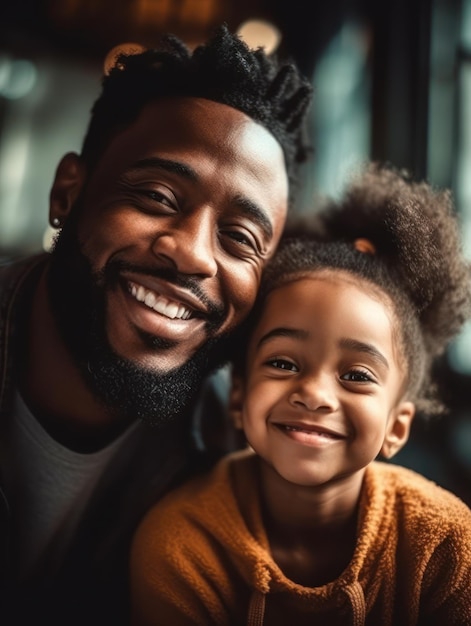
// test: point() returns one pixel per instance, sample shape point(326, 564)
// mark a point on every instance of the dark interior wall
point(399, 65)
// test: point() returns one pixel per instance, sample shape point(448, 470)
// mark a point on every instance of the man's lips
point(165, 306)
point(165, 298)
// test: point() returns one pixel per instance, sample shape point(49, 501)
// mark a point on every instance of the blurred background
point(392, 82)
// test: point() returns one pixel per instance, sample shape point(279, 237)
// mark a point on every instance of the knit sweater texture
point(201, 557)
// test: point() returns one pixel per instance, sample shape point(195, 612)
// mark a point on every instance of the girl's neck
point(311, 530)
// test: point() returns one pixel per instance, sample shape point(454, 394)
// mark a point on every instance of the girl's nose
point(315, 393)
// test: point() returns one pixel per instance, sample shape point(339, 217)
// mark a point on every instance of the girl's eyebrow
point(283, 331)
point(349, 344)
point(361, 346)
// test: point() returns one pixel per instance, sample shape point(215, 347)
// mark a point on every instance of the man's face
point(166, 244)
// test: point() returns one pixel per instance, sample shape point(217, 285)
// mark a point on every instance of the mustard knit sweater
point(201, 557)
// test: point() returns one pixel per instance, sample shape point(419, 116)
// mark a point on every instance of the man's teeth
point(170, 309)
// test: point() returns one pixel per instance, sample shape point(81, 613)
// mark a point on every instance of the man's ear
point(68, 183)
point(236, 396)
point(398, 429)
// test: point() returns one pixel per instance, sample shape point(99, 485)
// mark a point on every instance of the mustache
point(114, 269)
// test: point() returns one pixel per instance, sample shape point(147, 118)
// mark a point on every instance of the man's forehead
point(214, 127)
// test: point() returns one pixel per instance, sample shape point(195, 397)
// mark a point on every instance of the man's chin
point(154, 395)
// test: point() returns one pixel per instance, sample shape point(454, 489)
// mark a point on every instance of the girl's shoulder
point(416, 496)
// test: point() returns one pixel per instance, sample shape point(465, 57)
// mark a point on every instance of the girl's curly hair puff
point(418, 261)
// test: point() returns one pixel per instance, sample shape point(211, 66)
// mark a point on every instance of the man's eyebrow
point(247, 207)
point(361, 346)
point(282, 331)
point(165, 164)
point(256, 213)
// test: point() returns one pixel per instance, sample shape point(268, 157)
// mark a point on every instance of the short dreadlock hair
point(224, 70)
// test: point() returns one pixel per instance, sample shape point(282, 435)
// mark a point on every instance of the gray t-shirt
point(48, 486)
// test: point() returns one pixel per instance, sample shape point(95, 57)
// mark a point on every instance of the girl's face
point(323, 390)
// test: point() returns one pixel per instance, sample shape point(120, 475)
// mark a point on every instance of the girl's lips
point(310, 429)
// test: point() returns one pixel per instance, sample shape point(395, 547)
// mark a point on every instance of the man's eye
point(240, 237)
point(158, 196)
point(240, 243)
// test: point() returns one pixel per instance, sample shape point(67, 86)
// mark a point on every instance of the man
point(165, 222)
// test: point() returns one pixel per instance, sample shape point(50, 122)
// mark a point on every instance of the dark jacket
point(92, 586)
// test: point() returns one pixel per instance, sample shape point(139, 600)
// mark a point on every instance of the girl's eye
point(358, 376)
point(283, 364)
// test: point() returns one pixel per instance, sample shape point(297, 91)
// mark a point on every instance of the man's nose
point(189, 245)
point(315, 392)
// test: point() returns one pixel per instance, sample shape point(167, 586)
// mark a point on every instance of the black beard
point(125, 389)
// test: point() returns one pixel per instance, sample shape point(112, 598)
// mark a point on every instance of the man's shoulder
point(14, 269)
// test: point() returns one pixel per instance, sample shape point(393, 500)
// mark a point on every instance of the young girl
point(307, 526)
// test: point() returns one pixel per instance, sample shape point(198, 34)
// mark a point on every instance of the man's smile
point(161, 304)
